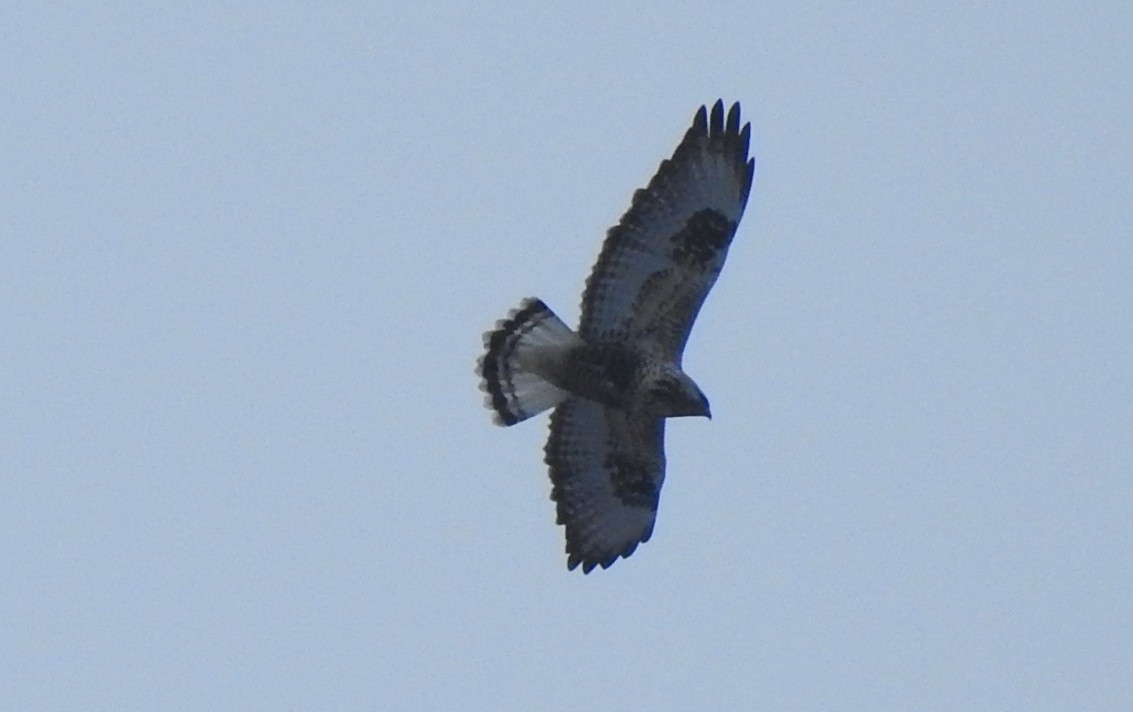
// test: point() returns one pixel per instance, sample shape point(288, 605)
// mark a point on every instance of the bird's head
point(673, 394)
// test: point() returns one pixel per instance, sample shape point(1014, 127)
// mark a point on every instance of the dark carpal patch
point(632, 481)
point(705, 234)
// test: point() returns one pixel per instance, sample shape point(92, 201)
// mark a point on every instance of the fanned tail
point(521, 355)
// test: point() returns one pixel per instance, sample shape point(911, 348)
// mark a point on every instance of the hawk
point(613, 382)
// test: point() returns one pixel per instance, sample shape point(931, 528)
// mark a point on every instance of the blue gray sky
point(247, 252)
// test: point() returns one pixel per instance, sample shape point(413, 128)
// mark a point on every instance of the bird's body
point(615, 381)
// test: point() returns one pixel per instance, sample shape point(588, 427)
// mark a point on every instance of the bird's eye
point(667, 391)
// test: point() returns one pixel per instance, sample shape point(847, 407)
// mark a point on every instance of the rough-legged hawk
point(614, 381)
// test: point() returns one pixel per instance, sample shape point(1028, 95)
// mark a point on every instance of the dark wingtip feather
point(734, 118)
point(745, 138)
point(589, 563)
point(717, 124)
point(700, 121)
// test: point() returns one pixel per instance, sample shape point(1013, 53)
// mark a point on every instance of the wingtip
point(588, 565)
point(700, 121)
point(717, 123)
point(745, 140)
point(733, 123)
point(590, 562)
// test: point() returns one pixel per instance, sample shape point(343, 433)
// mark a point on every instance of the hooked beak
point(707, 410)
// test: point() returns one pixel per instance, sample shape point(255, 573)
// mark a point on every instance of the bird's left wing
point(607, 469)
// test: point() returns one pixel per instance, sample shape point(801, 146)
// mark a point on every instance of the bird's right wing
point(659, 262)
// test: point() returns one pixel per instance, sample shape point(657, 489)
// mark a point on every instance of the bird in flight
point(615, 380)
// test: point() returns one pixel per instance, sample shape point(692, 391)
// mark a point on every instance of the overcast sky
point(247, 252)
